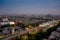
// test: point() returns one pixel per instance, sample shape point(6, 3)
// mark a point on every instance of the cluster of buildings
point(5, 21)
point(55, 34)
point(4, 24)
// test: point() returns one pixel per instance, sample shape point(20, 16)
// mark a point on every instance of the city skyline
point(17, 7)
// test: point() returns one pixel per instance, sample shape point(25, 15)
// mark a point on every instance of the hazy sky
point(29, 7)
